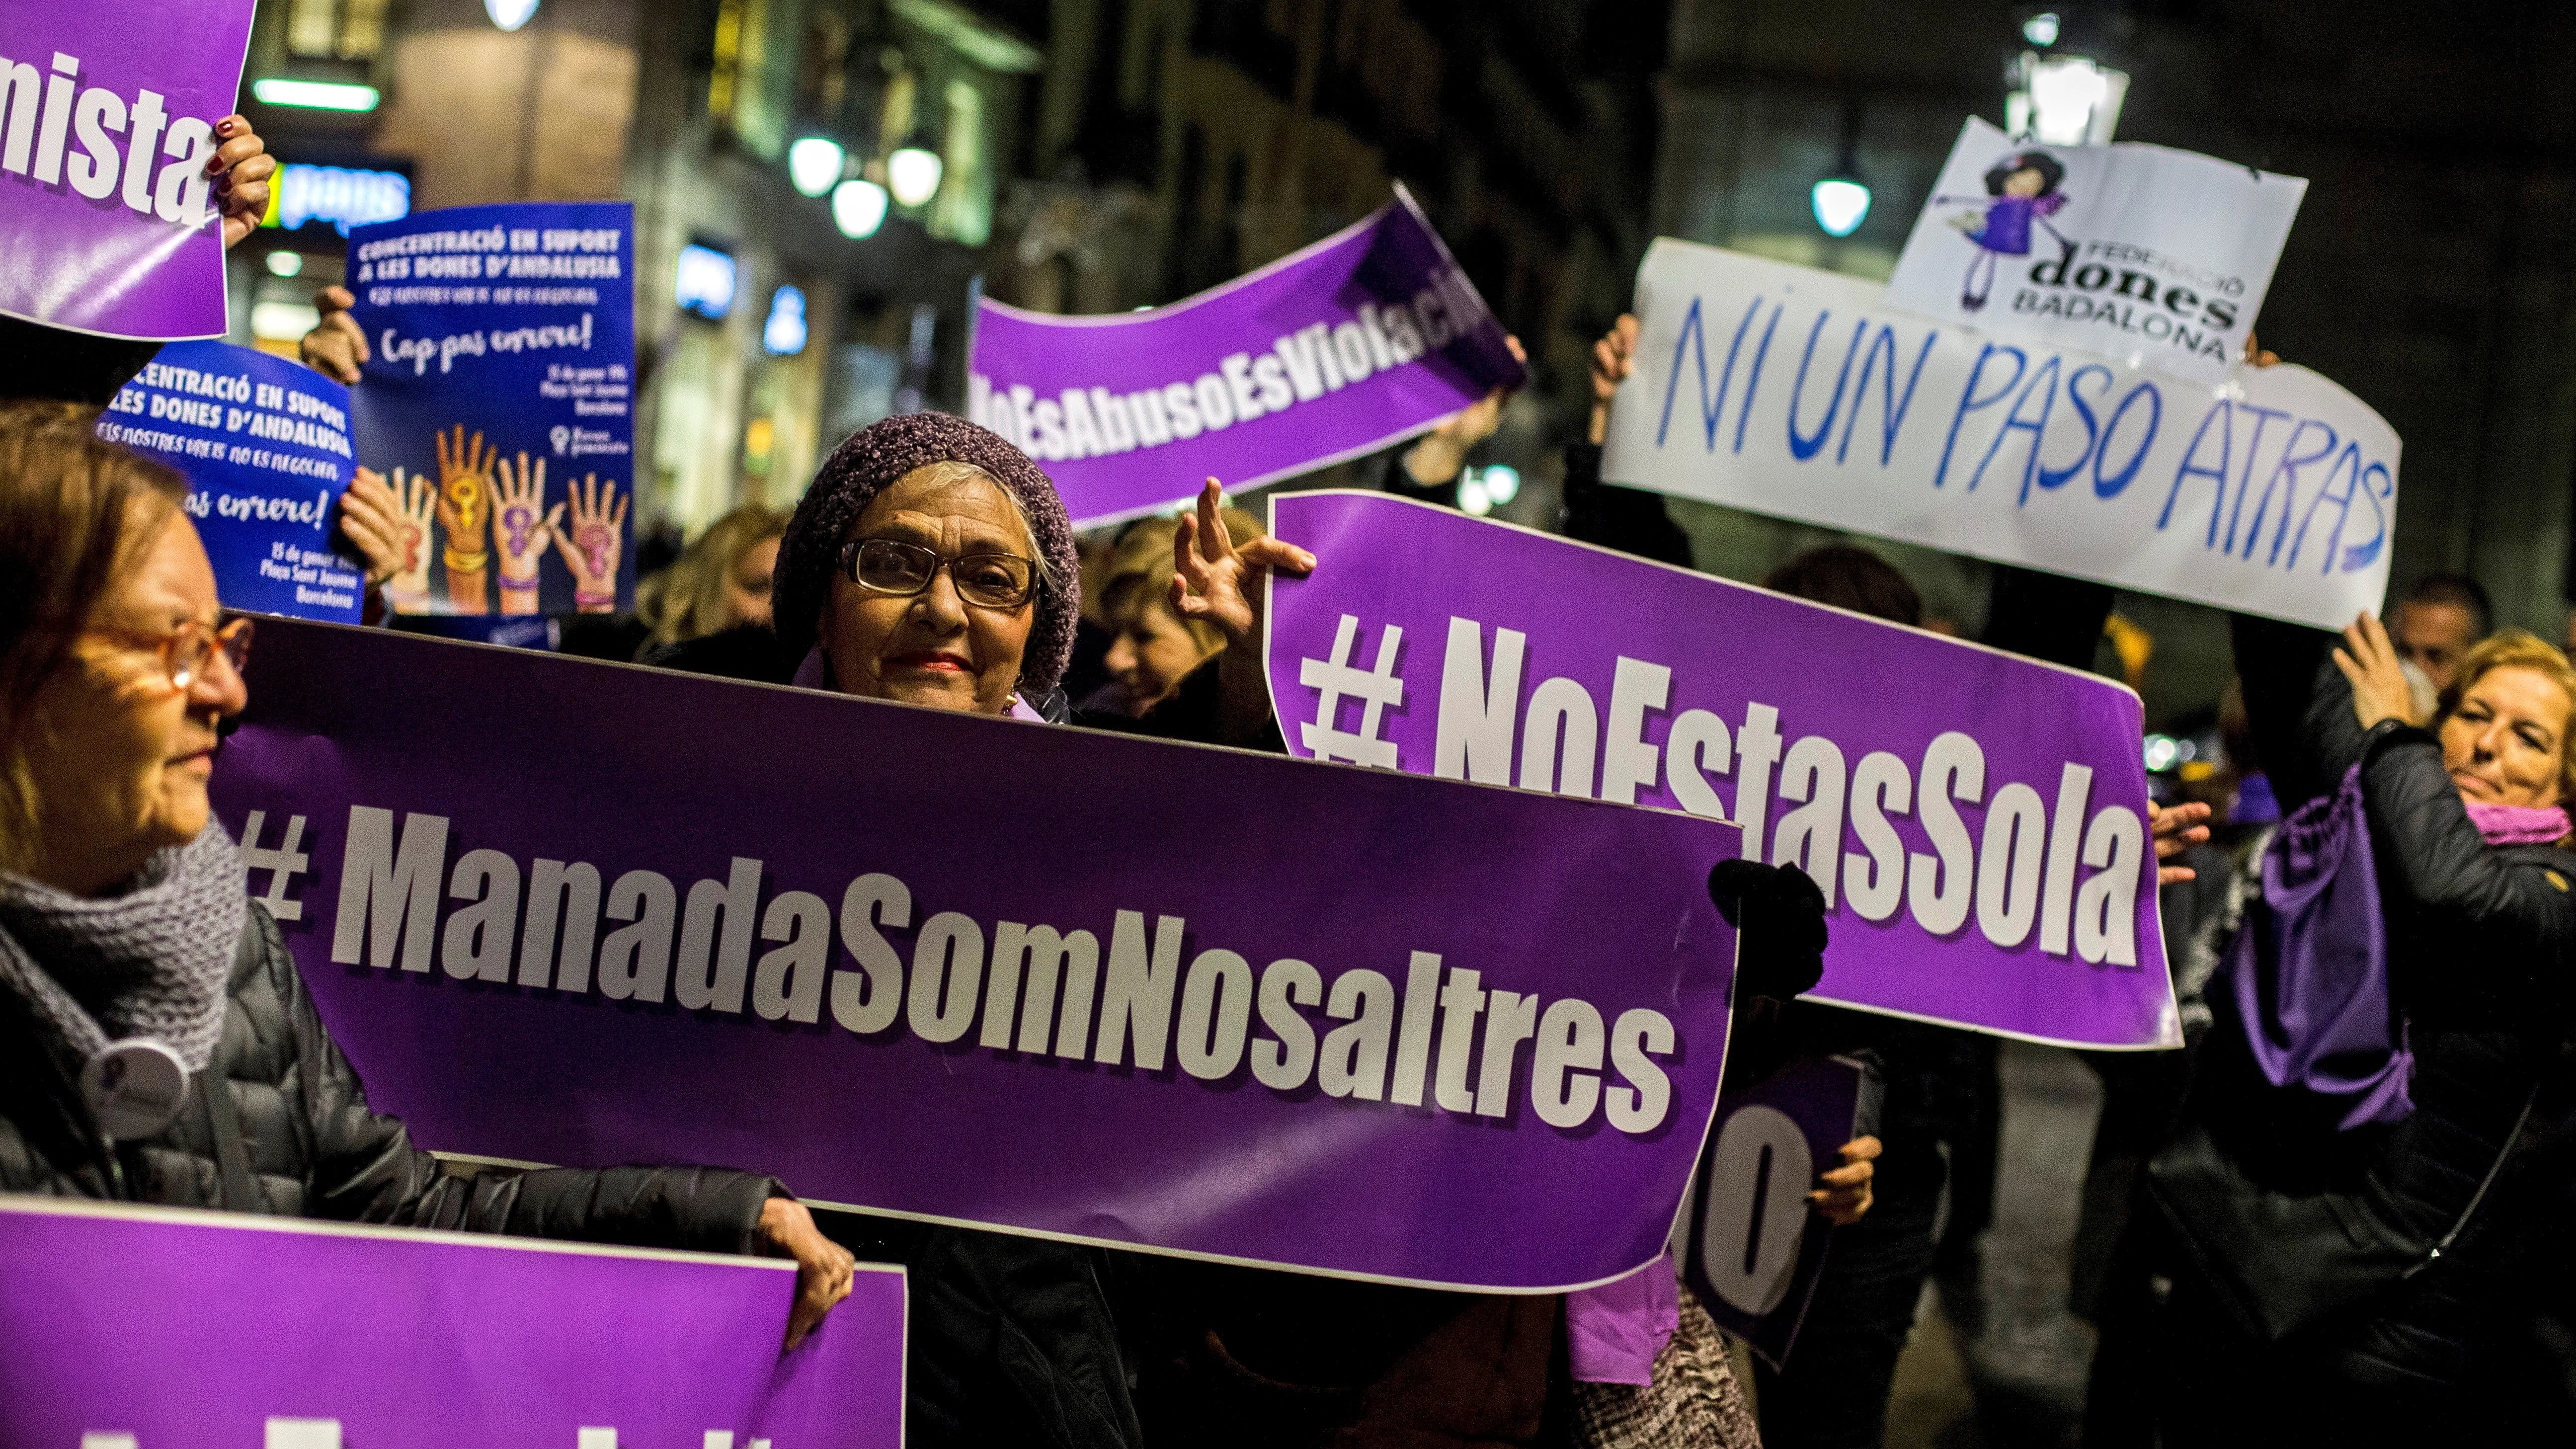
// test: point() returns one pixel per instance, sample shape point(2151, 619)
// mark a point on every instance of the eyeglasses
point(986, 580)
point(187, 650)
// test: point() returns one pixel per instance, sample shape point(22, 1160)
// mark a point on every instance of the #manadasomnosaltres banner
point(498, 400)
point(1976, 820)
point(264, 445)
point(2155, 257)
point(107, 115)
point(1804, 394)
point(1364, 338)
point(1024, 976)
point(124, 1326)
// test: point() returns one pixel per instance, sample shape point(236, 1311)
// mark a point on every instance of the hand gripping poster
point(2153, 257)
point(264, 445)
point(498, 402)
point(107, 115)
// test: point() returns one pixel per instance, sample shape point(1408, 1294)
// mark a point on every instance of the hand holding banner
point(1393, 1032)
point(124, 1325)
point(1800, 393)
point(106, 219)
point(1368, 336)
point(1976, 820)
point(264, 444)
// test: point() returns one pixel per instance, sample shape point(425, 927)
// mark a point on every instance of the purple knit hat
point(874, 457)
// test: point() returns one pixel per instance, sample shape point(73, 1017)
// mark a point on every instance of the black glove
point(1780, 916)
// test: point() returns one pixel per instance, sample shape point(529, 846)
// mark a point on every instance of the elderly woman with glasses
point(156, 1043)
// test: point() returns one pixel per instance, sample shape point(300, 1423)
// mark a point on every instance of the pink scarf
point(2519, 824)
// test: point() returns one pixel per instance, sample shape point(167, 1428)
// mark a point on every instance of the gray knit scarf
point(149, 961)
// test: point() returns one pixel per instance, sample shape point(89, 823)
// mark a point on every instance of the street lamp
point(858, 208)
point(510, 14)
point(1840, 199)
point(912, 174)
point(2064, 100)
point(814, 164)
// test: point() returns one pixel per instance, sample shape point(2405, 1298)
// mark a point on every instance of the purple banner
point(1368, 336)
point(1029, 977)
point(1752, 1248)
point(107, 116)
point(124, 1328)
point(1977, 820)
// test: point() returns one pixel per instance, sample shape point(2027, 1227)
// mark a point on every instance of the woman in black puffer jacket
point(156, 1043)
point(2334, 1265)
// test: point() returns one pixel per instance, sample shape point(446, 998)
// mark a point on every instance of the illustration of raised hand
point(465, 513)
point(593, 544)
point(409, 506)
point(520, 527)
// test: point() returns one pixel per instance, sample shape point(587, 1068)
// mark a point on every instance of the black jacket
point(302, 1141)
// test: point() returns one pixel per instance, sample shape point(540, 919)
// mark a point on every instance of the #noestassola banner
point(125, 1325)
point(1023, 976)
point(1807, 395)
point(1366, 337)
point(264, 445)
point(1976, 820)
point(498, 401)
point(107, 115)
point(2156, 257)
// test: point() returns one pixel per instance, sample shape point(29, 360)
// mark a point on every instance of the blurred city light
point(313, 95)
point(2064, 100)
point(2163, 753)
point(1502, 483)
point(344, 196)
point(814, 164)
point(285, 264)
point(2040, 29)
point(783, 335)
point(705, 282)
point(1840, 203)
point(858, 208)
point(912, 174)
point(1472, 497)
point(510, 14)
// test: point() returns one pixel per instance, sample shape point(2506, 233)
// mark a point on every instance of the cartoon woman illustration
point(2020, 190)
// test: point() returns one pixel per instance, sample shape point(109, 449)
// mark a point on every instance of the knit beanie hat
point(870, 460)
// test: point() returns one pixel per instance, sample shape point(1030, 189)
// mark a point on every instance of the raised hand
point(594, 542)
point(1442, 453)
point(2369, 660)
point(2176, 828)
point(465, 513)
point(1613, 358)
point(240, 166)
point(520, 527)
point(1226, 583)
point(335, 347)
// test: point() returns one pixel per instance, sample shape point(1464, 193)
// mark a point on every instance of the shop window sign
point(705, 283)
point(341, 196)
point(783, 335)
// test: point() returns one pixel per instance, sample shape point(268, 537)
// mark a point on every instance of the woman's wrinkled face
point(933, 648)
point(2502, 744)
point(1150, 649)
point(119, 754)
point(746, 588)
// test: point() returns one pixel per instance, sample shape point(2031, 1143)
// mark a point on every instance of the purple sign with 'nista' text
point(124, 1328)
point(1977, 820)
point(1368, 336)
point(1017, 975)
point(107, 113)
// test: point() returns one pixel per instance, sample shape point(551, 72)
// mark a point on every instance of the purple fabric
point(1613, 1332)
point(2255, 802)
point(869, 461)
point(2021, 900)
point(2309, 969)
point(667, 918)
point(2520, 824)
point(1366, 337)
point(111, 264)
point(416, 1340)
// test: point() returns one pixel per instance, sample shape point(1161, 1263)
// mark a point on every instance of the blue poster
point(498, 402)
point(264, 444)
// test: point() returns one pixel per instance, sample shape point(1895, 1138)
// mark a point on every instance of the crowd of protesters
point(2329, 1219)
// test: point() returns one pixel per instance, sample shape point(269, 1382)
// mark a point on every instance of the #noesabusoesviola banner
point(1366, 337)
point(264, 445)
point(386, 1338)
point(2156, 257)
point(1804, 394)
point(107, 116)
point(1976, 820)
point(1027, 977)
point(498, 401)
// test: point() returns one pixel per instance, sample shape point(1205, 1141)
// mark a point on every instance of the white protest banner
point(2156, 257)
point(1804, 394)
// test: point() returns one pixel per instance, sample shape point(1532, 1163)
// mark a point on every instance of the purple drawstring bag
point(2310, 968)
